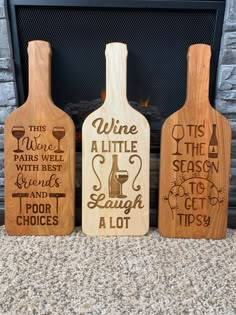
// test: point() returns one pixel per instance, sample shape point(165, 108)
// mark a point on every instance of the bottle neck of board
point(116, 72)
point(198, 73)
point(39, 73)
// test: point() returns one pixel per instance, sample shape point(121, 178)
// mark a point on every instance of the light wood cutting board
point(39, 148)
point(115, 159)
point(195, 160)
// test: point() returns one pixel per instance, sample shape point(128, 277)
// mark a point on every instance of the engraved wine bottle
point(114, 186)
point(213, 145)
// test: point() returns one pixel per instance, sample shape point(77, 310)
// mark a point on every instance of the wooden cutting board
point(195, 160)
point(39, 148)
point(115, 159)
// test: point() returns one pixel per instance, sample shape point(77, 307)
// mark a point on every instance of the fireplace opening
point(157, 33)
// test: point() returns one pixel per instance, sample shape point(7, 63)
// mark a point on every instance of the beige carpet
point(147, 275)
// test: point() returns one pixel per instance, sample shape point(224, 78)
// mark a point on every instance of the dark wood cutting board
point(39, 148)
point(195, 160)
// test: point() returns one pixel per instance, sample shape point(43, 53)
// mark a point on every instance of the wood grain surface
point(195, 160)
point(115, 159)
point(39, 147)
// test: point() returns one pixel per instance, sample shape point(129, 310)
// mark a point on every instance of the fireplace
point(158, 34)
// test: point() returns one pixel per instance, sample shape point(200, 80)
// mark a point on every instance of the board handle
point(39, 61)
point(198, 73)
point(116, 73)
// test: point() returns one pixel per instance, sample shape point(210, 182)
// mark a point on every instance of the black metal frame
point(218, 5)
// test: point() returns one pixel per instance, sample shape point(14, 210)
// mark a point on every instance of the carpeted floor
point(147, 275)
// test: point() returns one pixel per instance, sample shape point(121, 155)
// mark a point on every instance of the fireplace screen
point(158, 36)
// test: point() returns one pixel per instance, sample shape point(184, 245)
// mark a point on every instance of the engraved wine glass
point(121, 177)
point(177, 134)
point(58, 133)
point(18, 132)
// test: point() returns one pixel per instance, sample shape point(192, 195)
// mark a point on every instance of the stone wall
point(226, 81)
point(225, 93)
point(8, 98)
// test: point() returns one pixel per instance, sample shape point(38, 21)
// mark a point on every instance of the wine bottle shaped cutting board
point(115, 159)
point(195, 160)
point(39, 157)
